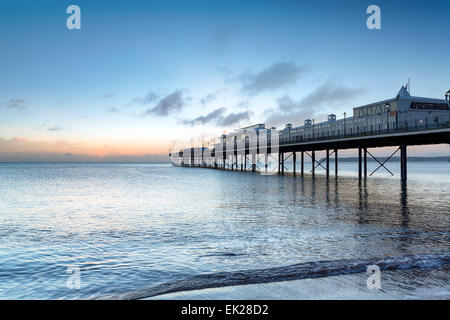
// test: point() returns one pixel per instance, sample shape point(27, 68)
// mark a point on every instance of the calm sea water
point(134, 227)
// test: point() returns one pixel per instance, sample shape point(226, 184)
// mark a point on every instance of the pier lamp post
point(388, 109)
point(313, 127)
point(345, 123)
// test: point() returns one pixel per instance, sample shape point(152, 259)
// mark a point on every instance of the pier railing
point(367, 130)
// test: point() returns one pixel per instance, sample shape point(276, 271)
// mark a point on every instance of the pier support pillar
point(294, 159)
point(279, 162)
point(328, 163)
point(403, 162)
point(359, 163)
point(266, 158)
point(302, 166)
point(365, 163)
point(245, 162)
point(313, 162)
point(253, 162)
point(282, 163)
point(336, 162)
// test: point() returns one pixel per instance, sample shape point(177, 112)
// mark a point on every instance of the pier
point(245, 159)
point(399, 122)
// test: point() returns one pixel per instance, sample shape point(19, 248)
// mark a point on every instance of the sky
point(138, 73)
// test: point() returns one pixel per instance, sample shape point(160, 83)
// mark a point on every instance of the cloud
point(218, 118)
point(42, 125)
point(211, 97)
point(113, 110)
point(108, 95)
point(226, 71)
point(243, 105)
point(171, 103)
point(208, 99)
point(328, 94)
point(215, 115)
point(146, 100)
point(331, 93)
point(45, 126)
point(276, 76)
point(54, 128)
point(296, 118)
point(234, 118)
point(20, 104)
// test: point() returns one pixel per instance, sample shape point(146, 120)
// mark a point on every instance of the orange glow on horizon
point(97, 149)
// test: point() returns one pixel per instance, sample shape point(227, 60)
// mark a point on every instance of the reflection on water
point(129, 226)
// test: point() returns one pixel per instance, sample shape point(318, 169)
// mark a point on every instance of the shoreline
point(395, 285)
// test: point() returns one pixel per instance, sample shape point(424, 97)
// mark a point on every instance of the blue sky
point(138, 72)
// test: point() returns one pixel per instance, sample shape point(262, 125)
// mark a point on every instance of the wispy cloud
point(146, 100)
point(276, 76)
point(113, 110)
point(42, 125)
point(54, 128)
point(295, 112)
point(18, 104)
point(169, 104)
point(211, 97)
point(243, 104)
point(208, 99)
point(108, 95)
point(331, 93)
point(213, 116)
point(45, 126)
point(234, 119)
point(218, 118)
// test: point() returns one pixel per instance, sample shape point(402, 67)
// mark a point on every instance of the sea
point(142, 230)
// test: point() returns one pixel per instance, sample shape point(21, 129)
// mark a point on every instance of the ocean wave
point(316, 269)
